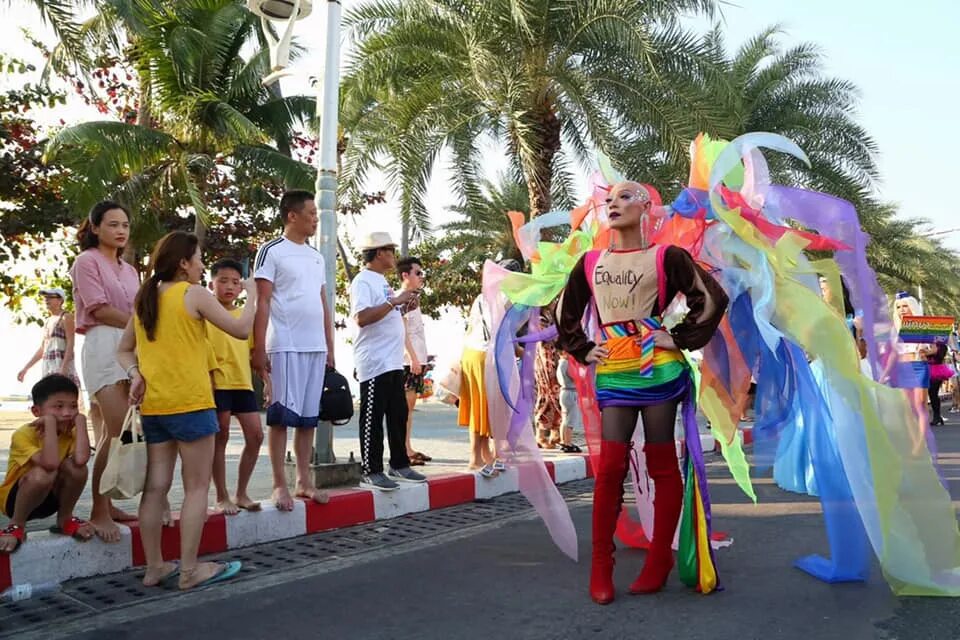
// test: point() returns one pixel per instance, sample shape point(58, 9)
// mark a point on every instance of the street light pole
point(327, 471)
point(326, 187)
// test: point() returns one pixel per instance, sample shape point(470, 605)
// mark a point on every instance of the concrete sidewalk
point(47, 557)
point(435, 433)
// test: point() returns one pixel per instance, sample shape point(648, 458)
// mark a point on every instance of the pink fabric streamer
point(533, 479)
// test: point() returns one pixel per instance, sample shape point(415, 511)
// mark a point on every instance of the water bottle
point(25, 591)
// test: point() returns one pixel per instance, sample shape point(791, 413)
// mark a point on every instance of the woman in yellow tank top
point(164, 352)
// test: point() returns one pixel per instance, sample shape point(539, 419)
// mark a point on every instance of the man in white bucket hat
point(378, 355)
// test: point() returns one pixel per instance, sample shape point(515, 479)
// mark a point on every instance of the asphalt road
point(503, 578)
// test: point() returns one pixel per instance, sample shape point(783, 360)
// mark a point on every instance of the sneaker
point(406, 475)
point(378, 481)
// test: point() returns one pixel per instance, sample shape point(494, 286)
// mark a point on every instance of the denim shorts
point(182, 427)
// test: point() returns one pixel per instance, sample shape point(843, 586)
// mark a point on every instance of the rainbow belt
point(636, 373)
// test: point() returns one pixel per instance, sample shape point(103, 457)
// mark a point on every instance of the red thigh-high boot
point(607, 498)
point(663, 467)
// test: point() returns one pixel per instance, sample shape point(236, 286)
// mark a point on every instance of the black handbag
point(336, 403)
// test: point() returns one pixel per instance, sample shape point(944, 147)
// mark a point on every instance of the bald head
point(636, 189)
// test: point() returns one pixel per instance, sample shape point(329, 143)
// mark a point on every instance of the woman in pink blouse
point(104, 287)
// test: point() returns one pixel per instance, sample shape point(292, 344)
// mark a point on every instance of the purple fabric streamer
point(836, 218)
point(533, 479)
point(506, 337)
point(695, 452)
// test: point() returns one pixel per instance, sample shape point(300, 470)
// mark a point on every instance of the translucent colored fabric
point(520, 448)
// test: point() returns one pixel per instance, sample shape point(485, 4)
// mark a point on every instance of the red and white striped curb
point(46, 557)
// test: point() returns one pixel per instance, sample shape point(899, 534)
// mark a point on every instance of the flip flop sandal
point(488, 472)
point(72, 529)
point(17, 532)
point(252, 508)
point(165, 580)
point(498, 465)
point(416, 462)
point(423, 456)
point(227, 570)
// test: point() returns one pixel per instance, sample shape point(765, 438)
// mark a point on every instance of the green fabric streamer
point(687, 551)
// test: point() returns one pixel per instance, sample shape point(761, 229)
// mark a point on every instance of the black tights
point(934, 392)
point(618, 423)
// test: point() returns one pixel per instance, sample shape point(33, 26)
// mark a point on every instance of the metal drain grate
point(87, 596)
point(16, 616)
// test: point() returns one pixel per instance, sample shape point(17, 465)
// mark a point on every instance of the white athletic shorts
point(296, 381)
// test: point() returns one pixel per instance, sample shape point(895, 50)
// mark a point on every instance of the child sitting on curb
point(47, 470)
point(233, 393)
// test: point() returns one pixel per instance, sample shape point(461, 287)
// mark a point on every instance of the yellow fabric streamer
point(707, 573)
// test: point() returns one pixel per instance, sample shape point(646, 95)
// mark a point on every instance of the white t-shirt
point(298, 274)
point(377, 347)
point(478, 335)
point(418, 337)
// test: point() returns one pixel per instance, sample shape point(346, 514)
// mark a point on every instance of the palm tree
point(767, 87)
point(456, 253)
point(208, 114)
point(542, 78)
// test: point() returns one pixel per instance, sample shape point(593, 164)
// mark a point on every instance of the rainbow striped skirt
point(637, 374)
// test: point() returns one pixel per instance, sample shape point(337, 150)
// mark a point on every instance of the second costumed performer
point(640, 369)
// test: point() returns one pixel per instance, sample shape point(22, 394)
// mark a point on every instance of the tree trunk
point(144, 116)
point(347, 267)
point(404, 237)
point(538, 169)
point(200, 230)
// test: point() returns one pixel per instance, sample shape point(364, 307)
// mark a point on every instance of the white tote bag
point(126, 470)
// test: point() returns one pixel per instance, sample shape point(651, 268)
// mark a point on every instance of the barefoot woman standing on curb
point(104, 287)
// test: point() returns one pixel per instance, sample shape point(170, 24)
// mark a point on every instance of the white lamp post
point(327, 105)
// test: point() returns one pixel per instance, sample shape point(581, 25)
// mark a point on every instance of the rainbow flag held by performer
point(926, 329)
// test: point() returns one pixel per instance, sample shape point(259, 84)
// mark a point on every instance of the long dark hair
point(165, 263)
point(85, 235)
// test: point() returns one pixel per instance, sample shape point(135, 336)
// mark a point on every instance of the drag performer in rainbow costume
point(640, 371)
point(878, 488)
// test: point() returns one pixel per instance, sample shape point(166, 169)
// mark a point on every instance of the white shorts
point(296, 381)
point(98, 360)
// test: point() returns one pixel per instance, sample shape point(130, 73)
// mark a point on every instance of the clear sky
point(902, 56)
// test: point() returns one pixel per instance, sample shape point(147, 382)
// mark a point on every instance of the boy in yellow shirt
point(233, 393)
point(47, 469)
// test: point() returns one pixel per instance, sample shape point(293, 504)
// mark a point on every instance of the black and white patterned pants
point(383, 397)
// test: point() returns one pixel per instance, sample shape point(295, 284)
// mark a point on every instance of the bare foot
point(312, 493)
point(281, 498)
point(200, 573)
point(245, 503)
point(227, 507)
point(119, 515)
point(153, 577)
point(106, 529)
